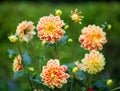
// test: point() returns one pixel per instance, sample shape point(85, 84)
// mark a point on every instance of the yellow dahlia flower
point(93, 62)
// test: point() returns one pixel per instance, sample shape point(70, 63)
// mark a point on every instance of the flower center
point(52, 75)
point(26, 31)
point(50, 28)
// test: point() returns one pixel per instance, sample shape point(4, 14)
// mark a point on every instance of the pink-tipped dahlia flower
point(93, 62)
point(25, 31)
point(53, 74)
point(50, 28)
point(17, 64)
point(92, 38)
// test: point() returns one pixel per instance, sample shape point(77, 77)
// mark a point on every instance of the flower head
point(50, 28)
point(58, 12)
point(13, 38)
point(92, 38)
point(109, 82)
point(75, 16)
point(53, 74)
point(93, 62)
point(17, 64)
point(25, 31)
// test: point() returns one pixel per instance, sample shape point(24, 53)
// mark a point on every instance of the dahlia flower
point(93, 62)
point(75, 16)
point(53, 74)
point(92, 38)
point(17, 64)
point(50, 28)
point(25, 31)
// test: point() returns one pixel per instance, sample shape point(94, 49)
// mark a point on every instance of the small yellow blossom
point(13, 38)
point(109, 82)
point(58, 12)
point(70, 40)
point(75, 16)
point(75, 69)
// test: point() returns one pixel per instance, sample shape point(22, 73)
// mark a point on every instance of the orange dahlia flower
point(92, 38)
point(53, 74)
point(50, 28)
point(93, 62)
point(25, 31)
point(17, 64)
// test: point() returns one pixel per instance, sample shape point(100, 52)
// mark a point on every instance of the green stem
point(115, 89)
point(56, 51)
point(23, 65)
point(30, 82)
point(37, 62)
point(72, 85)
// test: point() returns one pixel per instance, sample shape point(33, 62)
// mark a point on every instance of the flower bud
point(31, 68)
point(75, 69)
point(66, 27)
point(70, 40)
point(109, 82)
point(58, 12)
point(109, 27)
point(43, 43)
point(13, 38)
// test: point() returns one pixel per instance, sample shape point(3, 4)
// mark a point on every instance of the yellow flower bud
point(75, 69)
point(43, 43)
point(12, 38)
point(31, 68)
point(109, 27)
point(70, 40)
point(66, 27)
point(109, 82)
point(58, 12)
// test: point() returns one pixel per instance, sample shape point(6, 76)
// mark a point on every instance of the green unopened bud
point(58, 12)
point(109, 27)
point(75, 69)
point(31, 68)
point(43, 43)
point(109, 82)
point(66, 27)
point(70, 40)
point(13, 38)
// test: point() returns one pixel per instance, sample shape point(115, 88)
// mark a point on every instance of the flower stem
point(72, 85)
point(56, 51)
point(30, 82)
point(115, 89)
point(23, 65)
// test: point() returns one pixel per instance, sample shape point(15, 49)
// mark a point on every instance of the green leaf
point(27, 61)
point(19, 74)
point(37, 80)
point(63, 40)
point(11, 53)
point(81, 74)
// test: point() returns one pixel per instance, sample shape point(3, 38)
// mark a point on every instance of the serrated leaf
point(27, 61)
point(18, 74)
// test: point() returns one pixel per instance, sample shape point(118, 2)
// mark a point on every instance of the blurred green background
point(12, 13)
